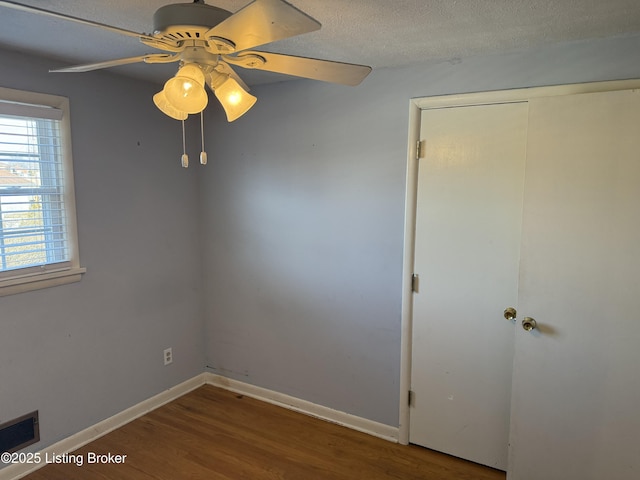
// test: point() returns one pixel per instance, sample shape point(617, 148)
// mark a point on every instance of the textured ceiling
point(379, 33)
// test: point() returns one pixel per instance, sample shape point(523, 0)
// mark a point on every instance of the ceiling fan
point(207, 41)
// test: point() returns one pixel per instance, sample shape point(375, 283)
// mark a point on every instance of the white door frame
point(462, 100)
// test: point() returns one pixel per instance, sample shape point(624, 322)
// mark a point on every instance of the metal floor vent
point(19, 432)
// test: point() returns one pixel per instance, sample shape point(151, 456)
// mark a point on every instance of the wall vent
point(19, 432)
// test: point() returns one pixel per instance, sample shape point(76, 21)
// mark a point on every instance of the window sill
point(36, 282)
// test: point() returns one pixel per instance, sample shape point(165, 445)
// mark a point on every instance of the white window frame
point(21, 280)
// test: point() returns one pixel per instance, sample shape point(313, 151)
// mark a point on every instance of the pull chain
point(203, 154)
point(185, 157)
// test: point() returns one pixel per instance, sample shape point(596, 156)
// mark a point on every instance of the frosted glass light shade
point(235, 100)
point(160, 99)
point(186, 90)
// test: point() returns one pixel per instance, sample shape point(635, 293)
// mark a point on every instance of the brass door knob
point(510, 313)
point(529, 324)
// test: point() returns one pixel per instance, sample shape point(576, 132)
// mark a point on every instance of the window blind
point(33, 233)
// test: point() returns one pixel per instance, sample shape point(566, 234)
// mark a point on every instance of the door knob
point(529, 324)
point(510, 313)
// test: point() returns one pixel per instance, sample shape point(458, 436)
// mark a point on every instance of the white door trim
point(416, 105)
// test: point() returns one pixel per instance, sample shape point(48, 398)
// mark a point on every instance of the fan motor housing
point(187, 19)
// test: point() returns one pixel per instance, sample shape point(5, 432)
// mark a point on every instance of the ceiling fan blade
point(49, 13)
point(315, 69)
point(263, 21)
point(152, 58)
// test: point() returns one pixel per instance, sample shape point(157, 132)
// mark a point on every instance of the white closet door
point(576, 379)
point(467, 255)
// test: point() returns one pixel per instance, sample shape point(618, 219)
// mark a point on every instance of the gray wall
point(296, 225)
point(304, 209)
point(83, 352)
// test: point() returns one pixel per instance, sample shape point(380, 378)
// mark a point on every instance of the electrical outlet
point(168, 356)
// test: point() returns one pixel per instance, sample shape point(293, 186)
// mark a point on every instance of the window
point(38, 239)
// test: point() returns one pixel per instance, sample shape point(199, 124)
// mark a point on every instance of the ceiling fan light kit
point(235, 100)
point(160, 100)
point(206, 41)
point(185, 91)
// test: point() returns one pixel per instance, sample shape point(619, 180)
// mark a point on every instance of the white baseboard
point(348, 420)
point(69, 444)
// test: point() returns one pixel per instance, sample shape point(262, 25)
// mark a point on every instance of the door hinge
point(411, 398)
point(420, 149)
point(415, 283)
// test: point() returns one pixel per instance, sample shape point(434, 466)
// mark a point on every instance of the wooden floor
point(213, 434)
